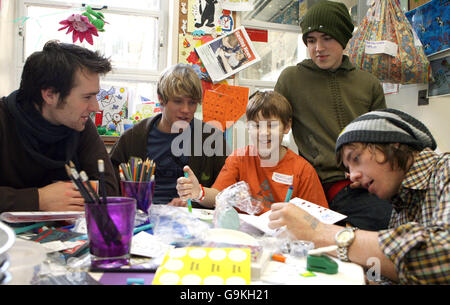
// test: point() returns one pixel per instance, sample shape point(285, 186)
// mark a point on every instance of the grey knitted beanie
point(387, 126)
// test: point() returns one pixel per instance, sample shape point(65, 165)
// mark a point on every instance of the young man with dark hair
point(45, 124)
point(327, 92)
point(390, 154)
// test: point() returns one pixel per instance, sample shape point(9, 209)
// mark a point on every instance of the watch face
point(344, 236)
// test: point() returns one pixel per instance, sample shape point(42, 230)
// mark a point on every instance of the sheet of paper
point(15, 217)
point(57, 245)
point(322, 214)
point(148, 245)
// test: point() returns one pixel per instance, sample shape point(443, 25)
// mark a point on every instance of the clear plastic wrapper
point(176, 226)
point(235, 196)
point(238, 195)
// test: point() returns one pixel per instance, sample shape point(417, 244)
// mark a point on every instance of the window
point(284, 46)
point(134, 39)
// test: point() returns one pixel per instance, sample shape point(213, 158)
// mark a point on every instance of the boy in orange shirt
point(268, 167)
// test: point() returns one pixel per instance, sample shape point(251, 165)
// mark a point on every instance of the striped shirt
point(417, 240)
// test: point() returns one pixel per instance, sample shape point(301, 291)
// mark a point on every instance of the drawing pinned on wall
point(226, 21)
point(187, 55)
point(204, 16)
point(114, 105)
point(146, 109)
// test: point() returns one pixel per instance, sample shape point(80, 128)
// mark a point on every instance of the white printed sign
point(381, 47)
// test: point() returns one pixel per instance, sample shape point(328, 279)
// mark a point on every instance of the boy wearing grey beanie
point(390, 153)
point(326, 93)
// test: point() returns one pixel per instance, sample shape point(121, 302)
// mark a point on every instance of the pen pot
point(110, 230)
point(141, 191)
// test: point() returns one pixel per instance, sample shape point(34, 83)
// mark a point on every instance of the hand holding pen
point(188, 187)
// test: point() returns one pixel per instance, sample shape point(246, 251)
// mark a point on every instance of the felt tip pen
point(283, 259)
point(143, 228)
point(289, 193)
point(189, 200)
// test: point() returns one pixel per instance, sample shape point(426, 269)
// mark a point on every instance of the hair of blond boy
point(270, 104)
point(179, 80)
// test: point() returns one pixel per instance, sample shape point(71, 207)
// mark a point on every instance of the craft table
point(273, 272)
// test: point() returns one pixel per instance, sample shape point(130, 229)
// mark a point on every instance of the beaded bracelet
point(201, 195)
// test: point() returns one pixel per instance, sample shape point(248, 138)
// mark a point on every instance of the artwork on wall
point(204, 15)
point(228, 54)
point(441, 74)
point(113, 104)
point(201, 21)
point(432, 26)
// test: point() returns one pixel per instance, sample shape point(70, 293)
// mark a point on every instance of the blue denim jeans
point(364, 210)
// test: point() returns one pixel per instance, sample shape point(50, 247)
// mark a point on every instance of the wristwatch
point(344, 238)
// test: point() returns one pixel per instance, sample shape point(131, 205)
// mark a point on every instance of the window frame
point(255, 84)
point(118, 74)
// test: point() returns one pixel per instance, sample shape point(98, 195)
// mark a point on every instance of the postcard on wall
point(228, 54)
point(441, 74)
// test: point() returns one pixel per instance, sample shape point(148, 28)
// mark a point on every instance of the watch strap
point(342, 251)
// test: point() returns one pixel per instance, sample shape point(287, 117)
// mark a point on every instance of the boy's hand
point(60, 196)
point(188, 188)
point(299, 223)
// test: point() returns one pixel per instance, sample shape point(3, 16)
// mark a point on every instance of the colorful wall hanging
point(385, 21)
point(432, 25)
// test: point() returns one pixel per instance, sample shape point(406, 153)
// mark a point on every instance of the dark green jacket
point(206, 167)
point(323, 103)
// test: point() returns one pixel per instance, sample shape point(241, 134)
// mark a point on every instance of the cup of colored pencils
point(138, 181)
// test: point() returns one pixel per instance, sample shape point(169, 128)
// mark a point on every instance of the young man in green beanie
point(326, 93)
point(390, 154)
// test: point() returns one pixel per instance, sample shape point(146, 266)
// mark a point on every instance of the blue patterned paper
point(432, 25)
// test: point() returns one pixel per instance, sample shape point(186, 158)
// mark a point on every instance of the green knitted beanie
point(331, 18)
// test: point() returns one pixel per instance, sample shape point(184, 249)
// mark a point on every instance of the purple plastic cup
point(110, 230)
point(141, 191)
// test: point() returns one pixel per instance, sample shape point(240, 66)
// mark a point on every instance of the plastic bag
point(385, 21)
point(174, 225)
point(235, 196)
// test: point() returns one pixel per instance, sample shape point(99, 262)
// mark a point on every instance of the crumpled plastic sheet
point(177, 226)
